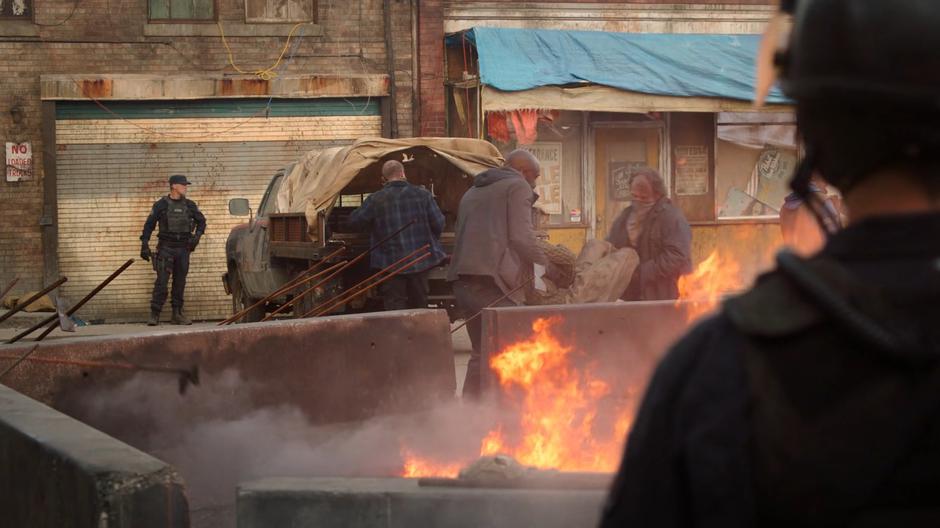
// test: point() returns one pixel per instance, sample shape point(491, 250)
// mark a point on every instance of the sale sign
point(19, 162)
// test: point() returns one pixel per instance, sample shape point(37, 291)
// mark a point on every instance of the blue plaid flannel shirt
point(387, 210)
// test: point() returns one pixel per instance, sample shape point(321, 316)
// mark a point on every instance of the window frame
point(312, 20)
point(30, 17)
point(763, 219)
point(213, 20)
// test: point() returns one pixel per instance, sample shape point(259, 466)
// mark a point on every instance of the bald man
point(496, 246)
point(385, 212)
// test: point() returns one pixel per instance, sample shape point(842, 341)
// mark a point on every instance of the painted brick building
point(112, 96)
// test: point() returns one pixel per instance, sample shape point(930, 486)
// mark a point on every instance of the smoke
point(217, 438)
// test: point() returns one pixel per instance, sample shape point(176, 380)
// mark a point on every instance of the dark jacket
point(388, 210)
point(811, 400)
point(158, 216)
point(664, 248)
point(495, 237)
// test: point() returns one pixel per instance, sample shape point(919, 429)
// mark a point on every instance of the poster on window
point(691, 170)
point(19, 162)
point(548, 186)
point(767, 187)
point(618, 186)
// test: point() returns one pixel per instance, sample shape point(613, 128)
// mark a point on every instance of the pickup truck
point(299, 220)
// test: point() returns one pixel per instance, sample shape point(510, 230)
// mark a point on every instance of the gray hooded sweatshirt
point(495, 236)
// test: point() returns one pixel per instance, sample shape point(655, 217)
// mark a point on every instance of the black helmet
point(865, 75)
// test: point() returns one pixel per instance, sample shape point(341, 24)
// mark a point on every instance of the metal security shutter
point(108, 177)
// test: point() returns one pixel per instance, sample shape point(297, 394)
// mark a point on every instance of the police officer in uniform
point(814, 398)
point(181, 227)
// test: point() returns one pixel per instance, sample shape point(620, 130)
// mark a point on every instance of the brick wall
point(431, 67)
point(104, 36)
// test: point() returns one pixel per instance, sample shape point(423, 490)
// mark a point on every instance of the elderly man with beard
point(659, 233)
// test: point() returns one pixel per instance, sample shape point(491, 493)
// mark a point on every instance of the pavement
point(23, 320)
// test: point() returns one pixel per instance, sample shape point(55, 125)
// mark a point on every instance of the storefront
point(595, 106)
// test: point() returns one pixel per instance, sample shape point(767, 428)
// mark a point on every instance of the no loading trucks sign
point(19, 162)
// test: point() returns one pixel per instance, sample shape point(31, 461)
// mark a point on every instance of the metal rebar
point(87, 298)
point(333, 271)
point(299, 279)
point(8, 288)
point(20, 305)
point(19, 360)
point(366, 280)
point(474, 316)
point(352, 262)
point(377, 283)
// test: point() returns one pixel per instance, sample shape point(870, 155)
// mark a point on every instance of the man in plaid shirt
point(385, 212)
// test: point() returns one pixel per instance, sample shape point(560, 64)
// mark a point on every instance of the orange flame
point(713, 278)
point(417, 467)
point(567, 418)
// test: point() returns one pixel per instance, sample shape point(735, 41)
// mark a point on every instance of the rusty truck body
point(299, 220)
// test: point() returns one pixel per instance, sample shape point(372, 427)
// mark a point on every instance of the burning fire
point(712, 279)
point(417, 467)
point(566, 417)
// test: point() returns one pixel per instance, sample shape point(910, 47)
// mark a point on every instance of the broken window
point(16, 9)
point(757, 154)
point(182, 10)
point(274, 11)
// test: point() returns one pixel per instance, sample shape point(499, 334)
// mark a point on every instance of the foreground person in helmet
point(814, 399)
point(181, 226)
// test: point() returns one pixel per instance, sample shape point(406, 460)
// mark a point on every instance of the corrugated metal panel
point(218, 108)
point(105, 192)
point(188, 130)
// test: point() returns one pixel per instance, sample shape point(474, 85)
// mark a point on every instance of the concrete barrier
point(625, 340)
point(401, 503)
point(334, 369)
point(58, 472)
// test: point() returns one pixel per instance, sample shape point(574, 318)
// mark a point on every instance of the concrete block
point(58, 472)
point(334, 369)
point(400, 503)
point(626, 339)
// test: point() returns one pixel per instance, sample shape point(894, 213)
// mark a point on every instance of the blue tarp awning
point(681, 65)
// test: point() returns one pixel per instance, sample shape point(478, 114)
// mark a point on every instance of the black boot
point(179, 318)
point(154, 318)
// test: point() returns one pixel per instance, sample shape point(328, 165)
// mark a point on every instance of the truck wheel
point(241, 300)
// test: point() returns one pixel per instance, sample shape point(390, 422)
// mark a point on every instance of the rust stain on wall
point(97, 88)
point(245, 87)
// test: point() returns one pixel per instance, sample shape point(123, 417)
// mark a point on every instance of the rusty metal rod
point(97, 364)
point(20, 305)
point(332, 270)
point(87, 298)
point(474, 316)
point(366, 281)
point(299, 279)
point(19, 360)
point(377, 283)
point(8, 288)
point(337, 272)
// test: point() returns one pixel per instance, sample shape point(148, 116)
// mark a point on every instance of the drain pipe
point(390, 58)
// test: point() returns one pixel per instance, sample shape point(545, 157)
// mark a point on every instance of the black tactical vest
point(179, 218)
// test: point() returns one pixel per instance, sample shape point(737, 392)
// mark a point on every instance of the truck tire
point(241, 300)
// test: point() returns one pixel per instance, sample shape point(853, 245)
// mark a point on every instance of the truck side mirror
point(239, 207)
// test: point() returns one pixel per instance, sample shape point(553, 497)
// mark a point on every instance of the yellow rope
point(268, 73)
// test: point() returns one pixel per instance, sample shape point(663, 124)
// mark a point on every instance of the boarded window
point(757, 154)
point(16, 9)
point(274, 11)
point(181, 10)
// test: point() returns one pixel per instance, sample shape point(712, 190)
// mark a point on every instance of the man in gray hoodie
point(496, 246)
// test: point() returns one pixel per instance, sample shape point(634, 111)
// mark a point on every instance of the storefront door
point(618, 153)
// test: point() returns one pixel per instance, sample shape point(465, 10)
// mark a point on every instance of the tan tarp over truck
point(298, 220)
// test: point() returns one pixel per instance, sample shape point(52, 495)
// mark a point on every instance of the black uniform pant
point(407, 290)
point(169, 260)
point(474, 293)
